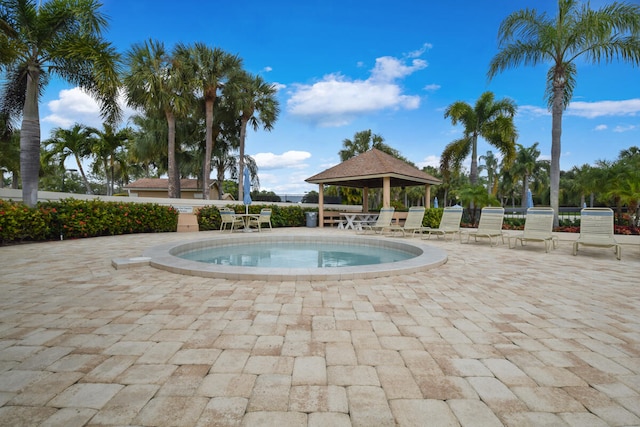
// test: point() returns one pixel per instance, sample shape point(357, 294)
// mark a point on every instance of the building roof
point(162, 184)
point(368, 170)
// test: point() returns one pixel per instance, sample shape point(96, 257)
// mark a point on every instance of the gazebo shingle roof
point(368, 169)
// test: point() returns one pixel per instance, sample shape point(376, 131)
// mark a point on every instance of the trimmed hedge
point(72, 218)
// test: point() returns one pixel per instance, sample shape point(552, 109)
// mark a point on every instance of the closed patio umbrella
point(246, 185)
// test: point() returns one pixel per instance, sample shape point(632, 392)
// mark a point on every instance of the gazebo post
point(365, 199)
point(386, 191)
point(320, 205)
point(427, 190)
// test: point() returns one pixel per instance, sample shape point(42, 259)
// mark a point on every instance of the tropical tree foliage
point(577, 32)
point(529, 167)
point(57, 38)
point(489, 119)
point(254, 100)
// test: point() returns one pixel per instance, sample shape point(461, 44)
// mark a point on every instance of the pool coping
point(162, 257)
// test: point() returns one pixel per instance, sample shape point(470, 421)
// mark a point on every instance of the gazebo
point(373, 169)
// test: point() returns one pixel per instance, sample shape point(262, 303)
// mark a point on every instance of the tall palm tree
point(61, 38)
point(256, 103)
point(489, 119)
point(527, 166)
point(76, 142)
point(154, 83)
point(210, 69)
point(527, 37)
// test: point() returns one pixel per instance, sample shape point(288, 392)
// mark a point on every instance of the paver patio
point(496, 336)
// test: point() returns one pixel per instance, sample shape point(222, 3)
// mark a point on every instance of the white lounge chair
point(538, 227)
point(228, 216)
point(264, 218)
point(449, 224)
point(490, 226)
point(596, 229)
point(382, 223)
point(412, 223)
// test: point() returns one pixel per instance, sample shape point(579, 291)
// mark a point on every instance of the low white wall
point(183, 205)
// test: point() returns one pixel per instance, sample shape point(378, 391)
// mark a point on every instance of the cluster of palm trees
point(189, 99)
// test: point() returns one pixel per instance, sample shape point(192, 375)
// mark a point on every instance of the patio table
point(355, 220)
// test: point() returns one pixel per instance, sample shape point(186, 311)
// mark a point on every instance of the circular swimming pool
point(298, 254)
point(419, 257)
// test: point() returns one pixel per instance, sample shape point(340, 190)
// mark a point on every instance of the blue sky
point(393, 67)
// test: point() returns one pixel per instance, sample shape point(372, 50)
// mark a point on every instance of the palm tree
point(364, 141)
point(526, 167)
point(108, 145)
point(154, 83)
point(491, 166)
point(209, 69)
point(61, 38)
point(489, 119)
point(76, 142)
point(253, 95)
point(527, 37)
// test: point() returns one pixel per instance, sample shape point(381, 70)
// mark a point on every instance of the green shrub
point(73, 218)
point(432, 217)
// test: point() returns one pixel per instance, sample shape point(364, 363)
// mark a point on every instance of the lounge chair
point(382, 223)
point(538, 227)
point(596, 229)
point(449, 224)
point(228, 216)
point(263, 218)
point(412, 223)
point(490, 226)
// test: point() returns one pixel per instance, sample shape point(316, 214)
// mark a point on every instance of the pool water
point(296, 255)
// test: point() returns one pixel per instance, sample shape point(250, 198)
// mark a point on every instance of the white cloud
point(620, 129)
point(432, 87)
point(431, 160)
point(591, 110)
point(601, 127)
point(418, 53)
point(336, 100)
point(77, 106)
point(289, 159)
point(267, 69)
point(533, 110)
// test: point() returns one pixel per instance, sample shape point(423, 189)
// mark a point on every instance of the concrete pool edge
point(162, 257)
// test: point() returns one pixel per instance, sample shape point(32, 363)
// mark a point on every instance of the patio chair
point(382, 223)
point(596, 229)
point(263, 218)
point(228, 216)
point(449, 224)
point(490, 226)
point(538, 227)
point(412, 223)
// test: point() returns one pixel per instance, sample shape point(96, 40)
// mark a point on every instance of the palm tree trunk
point(473, 173)
point(243, 135)
point(84, 176)
point(171, 155)
point(30, 140)
point(208, 149)
point(556, 135)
